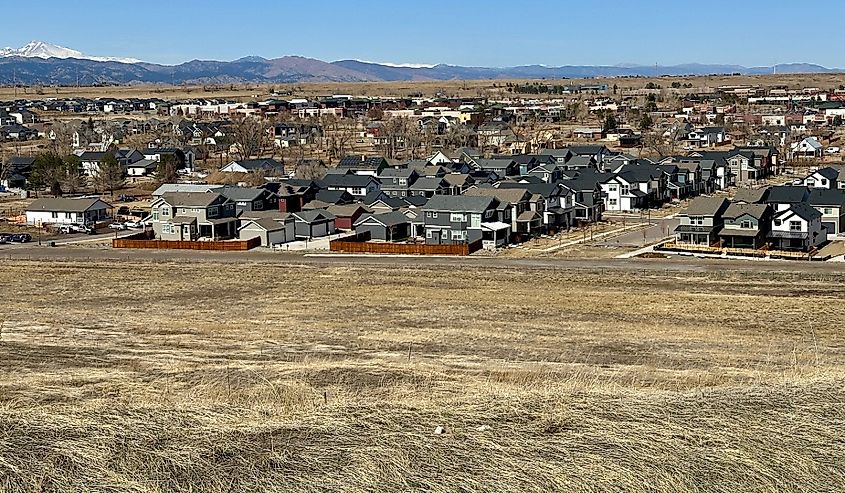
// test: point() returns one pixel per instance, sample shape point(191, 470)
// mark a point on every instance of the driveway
point(659, 229)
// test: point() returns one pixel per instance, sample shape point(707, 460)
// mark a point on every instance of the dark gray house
point(745, 225)
point(831, 204)
point(388, 226)
point(395, 182)
point(451, 219)
point(251, 198)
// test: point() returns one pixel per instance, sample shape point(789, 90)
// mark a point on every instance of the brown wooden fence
point(142, 240)
point(358, 244)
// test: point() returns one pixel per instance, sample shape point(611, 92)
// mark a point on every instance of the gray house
point(271, 231)
point(745, 225)
point(395, 182)
point(451, 219)
point(251, 198)
point(389, 226)
point(188, 216)
point(701, 222)
point(313, 223)
point(831, 204)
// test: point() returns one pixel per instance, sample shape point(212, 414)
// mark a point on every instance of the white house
point(67, 211)
point(809, 147)
point(827, 177)
point(798, 227)
point(623, 195)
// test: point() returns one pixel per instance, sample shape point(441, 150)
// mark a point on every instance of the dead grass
point(153, 377)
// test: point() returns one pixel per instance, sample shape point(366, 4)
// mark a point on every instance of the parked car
point(133, 224)
point(118, 226)
point(21, 238)
point(831, 150)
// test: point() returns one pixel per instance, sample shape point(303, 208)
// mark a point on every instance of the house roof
point(459, 203)
point(494, 163)
point(751, 195)
point(256, 164)
point(826, 197)
point(802, 210)
point(347, 181)
point(184, 187)
point(754, 210)
point(786, 194)
point(706, 206)
point(346, 210)
point(386, 219)
point(61, 204)
point(427, 183)
point(264, 223)
point(828, 172)
point(508, 195)
point(191, 199)
point(313, 215)
point(243, 193)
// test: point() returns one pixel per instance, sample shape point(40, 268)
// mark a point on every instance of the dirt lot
point(200, 374)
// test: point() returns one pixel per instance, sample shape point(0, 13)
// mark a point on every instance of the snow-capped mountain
point(40, 49)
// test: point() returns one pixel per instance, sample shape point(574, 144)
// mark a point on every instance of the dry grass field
point(145, 376)
point(404, 88)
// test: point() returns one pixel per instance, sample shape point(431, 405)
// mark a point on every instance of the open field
point(471, 88)
point(203, 375)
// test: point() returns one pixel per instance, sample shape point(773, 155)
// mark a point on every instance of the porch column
point(212, 231)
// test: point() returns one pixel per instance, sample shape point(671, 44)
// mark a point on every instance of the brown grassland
point(455, 88)
point(138, 376)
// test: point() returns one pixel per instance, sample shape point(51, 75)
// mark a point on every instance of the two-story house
point(355, 185)
point(701, 221)
point(186, 216)
point(396, 182)
point(831, 204)
point(745, 225)
point(526, 221)
point(798, 227)
point(249, 199)
point(827, 177)
point(450, 219)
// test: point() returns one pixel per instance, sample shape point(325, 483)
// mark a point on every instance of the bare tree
point(310, 170)
point(250, 137)
point(109, 176)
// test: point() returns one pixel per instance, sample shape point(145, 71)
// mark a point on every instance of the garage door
point(831, 227)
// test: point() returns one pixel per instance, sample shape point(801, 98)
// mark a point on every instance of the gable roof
point(386, 219)
point(258, 164)
point(347, 181)
point(826, 197)
point(802, 210)
point(508, 195)
point(459, 203)
point(706, 206)
point(751, 195)
point(783, 194)
point(754, 210)
point(243, 193)
point(191, 199)
point(61, 204)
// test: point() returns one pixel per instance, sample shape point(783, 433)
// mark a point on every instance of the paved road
point(678, 264)
point(659, 229)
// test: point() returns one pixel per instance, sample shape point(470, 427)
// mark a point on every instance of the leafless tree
point(310, 170)
point(250, 137)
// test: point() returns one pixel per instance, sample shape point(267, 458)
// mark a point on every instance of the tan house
point(188, 216)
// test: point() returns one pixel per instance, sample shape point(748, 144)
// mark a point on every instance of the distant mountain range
point(46, 64)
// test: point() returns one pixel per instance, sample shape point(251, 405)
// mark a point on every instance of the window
point(167, 228)
point(823, 181)
point(55, 215)
point(357, 191)
point(625, 190)
point(212, 211)
point(458, 235)
point(68, 215)
point(612, 202)
point(434, 214)
point(828, 211)
point(165, 211)
point(428, 233)
point(778, 222)
point(612, 188)
point(403, 181)
point(811, 182)
point(746, 224)
point(155, 214)
point(457, 217)
point(795, 225)
point(475, 221)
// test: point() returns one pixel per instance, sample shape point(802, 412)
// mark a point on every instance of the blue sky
point(465, 32)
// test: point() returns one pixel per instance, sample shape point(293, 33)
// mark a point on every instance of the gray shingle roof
point(706, 206)
point(459, 203)
point(61, 204)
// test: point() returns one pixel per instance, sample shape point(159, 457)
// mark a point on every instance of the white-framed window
point(55, 215)
point(778, 222)
point(457, 217)
point(165, 212)
point(475, 221)
point(828, 211)
point(428, 233)
point(68, 215)
point(434, 214)
point(427, 213)
point(155, 214)
point(458, 235)
point(167, 228)
point(811, 182)
point(745, 224)
point(403, 181)
point(625, 190)
point(612, 188)
point(612, 202)
point(212, 211)
point(357, 191)
point(795, 225)
point(824, 182)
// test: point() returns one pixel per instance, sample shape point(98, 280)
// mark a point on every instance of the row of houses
point(778, 217)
